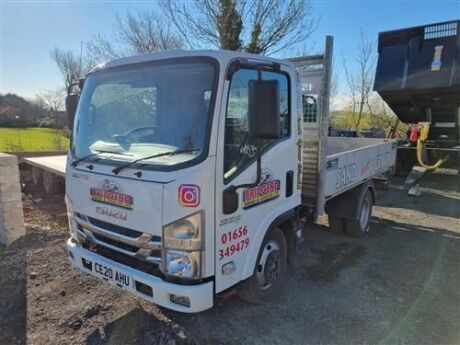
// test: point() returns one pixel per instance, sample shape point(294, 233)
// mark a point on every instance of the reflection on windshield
point(144, 111)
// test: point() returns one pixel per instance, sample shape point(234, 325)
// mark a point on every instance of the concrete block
point(8, 164)
point(10, 189)
point(11, 222)
point(11, 213)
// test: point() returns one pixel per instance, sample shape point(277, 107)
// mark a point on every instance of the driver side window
point(238, 150)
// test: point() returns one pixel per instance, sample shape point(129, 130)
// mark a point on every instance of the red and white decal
point(364, 169)
point(111, 193)
point(189, 195)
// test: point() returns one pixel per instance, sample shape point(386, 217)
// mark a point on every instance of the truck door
point(240, 234)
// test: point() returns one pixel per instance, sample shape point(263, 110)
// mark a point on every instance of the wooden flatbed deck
point(53, 164)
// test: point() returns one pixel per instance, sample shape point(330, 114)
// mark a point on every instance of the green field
point(32, 139)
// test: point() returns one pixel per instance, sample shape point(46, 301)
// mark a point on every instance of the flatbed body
point(52, 164)
point(332, 165)
point(352, 161)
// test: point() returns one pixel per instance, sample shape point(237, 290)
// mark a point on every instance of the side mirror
point(71, 103)
point(264, 109)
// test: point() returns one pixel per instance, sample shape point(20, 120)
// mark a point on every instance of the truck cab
point(184, 175)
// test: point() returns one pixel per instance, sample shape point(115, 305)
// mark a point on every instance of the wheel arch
point(289, 229)
point(340, 206)
point(286, 221)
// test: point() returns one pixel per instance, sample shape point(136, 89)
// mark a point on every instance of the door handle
point(289, 183)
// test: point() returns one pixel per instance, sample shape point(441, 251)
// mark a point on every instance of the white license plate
point(111, 274)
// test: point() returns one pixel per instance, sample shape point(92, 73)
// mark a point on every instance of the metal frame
point(306, 67)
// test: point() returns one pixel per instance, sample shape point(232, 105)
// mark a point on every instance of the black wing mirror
point(71, 103)
point(264, 109)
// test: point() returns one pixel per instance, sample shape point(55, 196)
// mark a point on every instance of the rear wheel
point(36, 176)
point(271, 266)
point(336, 224)
point(359, 227)
point(50, 183)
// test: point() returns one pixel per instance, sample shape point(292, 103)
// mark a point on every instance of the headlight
point(183, 243)
point(183, 264)
point(73, 228)
point(69, 206)
point(71, 219)
point(185, 234)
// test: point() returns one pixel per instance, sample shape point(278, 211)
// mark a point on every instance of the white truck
point(184, 178)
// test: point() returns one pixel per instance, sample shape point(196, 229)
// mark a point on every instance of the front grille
point(141, 247)
point(118, 244)
point(119, 229)
point(146, 267)
point(115, 228)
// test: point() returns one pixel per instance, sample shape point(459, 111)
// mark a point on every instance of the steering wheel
point(123, 138)
point(139, 129)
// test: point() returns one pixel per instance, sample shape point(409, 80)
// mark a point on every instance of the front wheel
point(271, 266)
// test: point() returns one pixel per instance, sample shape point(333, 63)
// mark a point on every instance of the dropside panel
point(355, 160)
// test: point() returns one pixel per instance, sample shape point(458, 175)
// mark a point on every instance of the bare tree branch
point(51, 100)
point(360, 83)
point(259, 26)
point(100, 48)
point(278, 25)
point(139, 33)
point(71, 66)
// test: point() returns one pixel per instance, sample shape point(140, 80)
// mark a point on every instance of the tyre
point(50, 183)
point(36, 176)
point(269, 271)
point(360, 227)
point(336, 224)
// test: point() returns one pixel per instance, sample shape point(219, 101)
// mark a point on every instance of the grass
point(32, 139)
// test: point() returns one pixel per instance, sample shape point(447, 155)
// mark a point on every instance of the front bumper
point(201, 296)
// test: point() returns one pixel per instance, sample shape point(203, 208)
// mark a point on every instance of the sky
point(30, 29)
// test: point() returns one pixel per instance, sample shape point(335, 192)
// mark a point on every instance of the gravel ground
point(400, 284)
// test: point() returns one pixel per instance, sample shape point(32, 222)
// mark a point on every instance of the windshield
point(146, 110)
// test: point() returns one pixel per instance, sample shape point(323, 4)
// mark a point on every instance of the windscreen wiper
point(98, 152)
point(169, 153)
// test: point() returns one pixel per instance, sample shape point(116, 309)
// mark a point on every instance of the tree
point(360, 82)
point(230, 25)
point(365, 109)
point(334, 88)
point(143, 32)
point(51, 100)
point(15, 110)
point(259, 26)
point(382, 116)
point(71, 67)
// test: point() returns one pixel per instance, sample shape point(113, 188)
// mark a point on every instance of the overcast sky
point(30, 29)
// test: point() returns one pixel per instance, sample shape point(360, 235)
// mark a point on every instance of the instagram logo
point(189, 195)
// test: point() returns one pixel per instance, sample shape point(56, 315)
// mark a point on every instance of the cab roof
point(223, 56)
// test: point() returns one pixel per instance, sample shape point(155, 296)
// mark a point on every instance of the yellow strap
point(421, 140)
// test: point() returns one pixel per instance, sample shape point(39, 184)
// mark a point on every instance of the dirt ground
point(399, 285)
